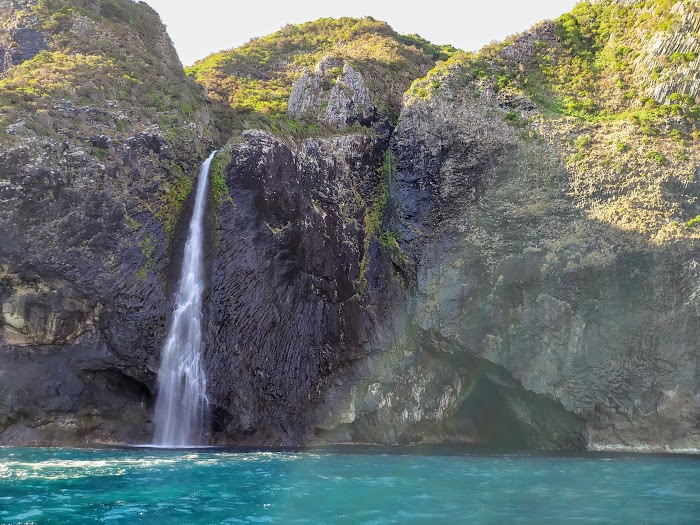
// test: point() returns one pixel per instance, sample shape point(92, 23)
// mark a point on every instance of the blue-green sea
point(357, 486)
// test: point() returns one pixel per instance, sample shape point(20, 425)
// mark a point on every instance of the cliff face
point(506, 256)
point(535, 269)
point(598, 318)
point(310, 335)
point(92, 179)
point(285, 305)
point(563, 250)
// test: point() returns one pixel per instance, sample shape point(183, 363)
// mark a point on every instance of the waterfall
point(182, 384)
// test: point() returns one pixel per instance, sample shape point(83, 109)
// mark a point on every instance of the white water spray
point(182, 384)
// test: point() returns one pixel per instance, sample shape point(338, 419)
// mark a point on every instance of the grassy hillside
point(105, 82)
point(611, 85)
point(109, 54)
point(254, 81)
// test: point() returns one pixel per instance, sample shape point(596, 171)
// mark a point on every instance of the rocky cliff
point(101, 133)
point(504, 255)
point(533, 274)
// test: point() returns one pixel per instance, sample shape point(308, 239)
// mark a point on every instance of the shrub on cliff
point(257, 78)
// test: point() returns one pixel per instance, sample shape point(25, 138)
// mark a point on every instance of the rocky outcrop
point(82, 296)
point(285, 307)
point(348, 100)
point(38, 313)
point(525, 47)
point(338, 101)
point(675, 56)
point(91, 192)
point(19, 40)
point(451, 279)
point(21, 44)
point(60, 383)
point(428, 389)
point(418, 381)
point(509, 271)
point(309, 336)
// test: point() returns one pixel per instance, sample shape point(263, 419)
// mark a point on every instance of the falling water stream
point(182, 384)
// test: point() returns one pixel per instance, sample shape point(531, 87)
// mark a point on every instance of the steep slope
point(609, 66)
point(290, 299)
point(308, 285)
point(548, 204)
point(505, 254)
point(101, 134)
point(251, 85)
point(527, 270)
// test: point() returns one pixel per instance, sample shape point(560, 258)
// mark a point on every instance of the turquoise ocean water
point(127, 486)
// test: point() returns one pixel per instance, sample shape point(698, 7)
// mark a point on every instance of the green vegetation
point(112, 60)
point(251, 84)
point(107, 72)
point(590, 75)
point(374, 213)
point(219, 189)
point(437, 52)
point(694, 222)
point(146, 244)
point(588, 72)
point(683, 57)
point(515, 118)
point(99, 153)
point(387, 239)
point(656, 156)
point(582, 142)
point(56, 16)
point(172, 200)
point(148, 248)
point(621, 147)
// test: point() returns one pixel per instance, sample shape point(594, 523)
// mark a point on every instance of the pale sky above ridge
point(201, 27)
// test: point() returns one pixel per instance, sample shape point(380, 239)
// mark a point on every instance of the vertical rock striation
point(286, 306)
point(508, 258)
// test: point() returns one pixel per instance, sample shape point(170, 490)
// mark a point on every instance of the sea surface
point(356, 485)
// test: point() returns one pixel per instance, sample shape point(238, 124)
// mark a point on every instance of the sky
point(201, 27)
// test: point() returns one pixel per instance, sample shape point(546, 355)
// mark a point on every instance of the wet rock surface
point(86, 223)
point(285, 308)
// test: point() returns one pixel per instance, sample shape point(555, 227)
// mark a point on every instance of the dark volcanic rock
point(74, 308)
point(91, 189)
point(28, 43)
point(70, 394)
point(18, 42)
point(301, 346)
point(286, 307)
point(451, 280)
